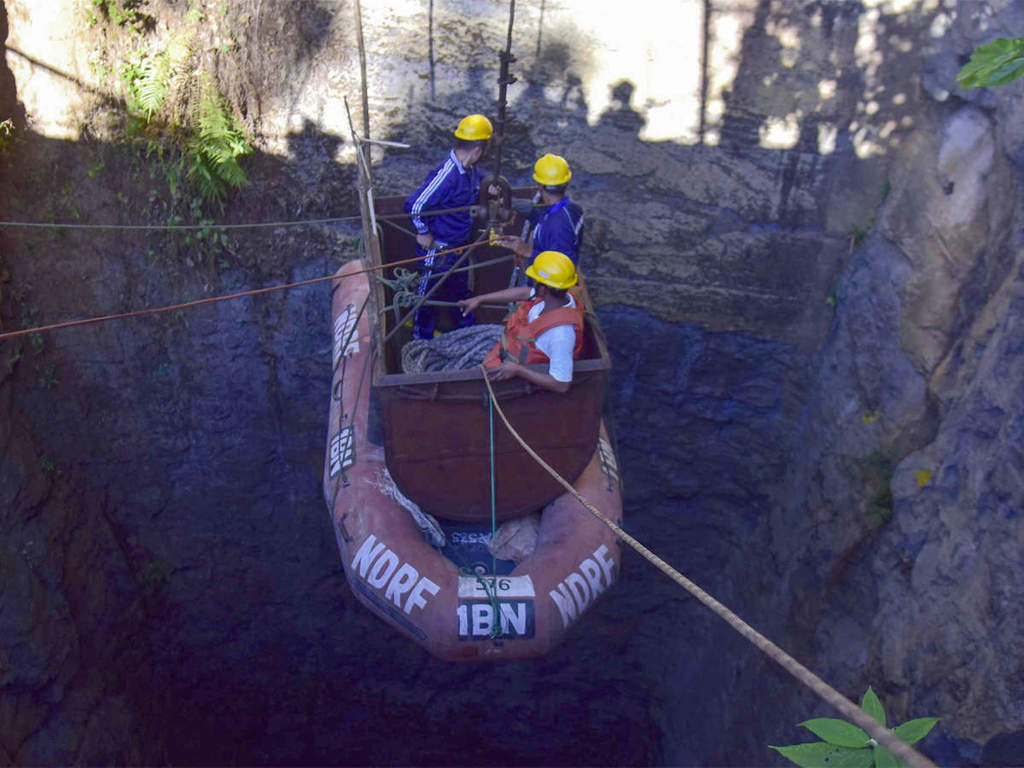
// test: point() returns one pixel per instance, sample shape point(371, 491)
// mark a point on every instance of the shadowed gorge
point(805, 247)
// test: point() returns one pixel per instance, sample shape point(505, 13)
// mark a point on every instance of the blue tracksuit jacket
point(558, 228)
point(450, 185)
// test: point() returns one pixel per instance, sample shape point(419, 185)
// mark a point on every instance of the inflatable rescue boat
point(444, 589)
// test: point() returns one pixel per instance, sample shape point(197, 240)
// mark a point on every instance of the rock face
point(806, 248)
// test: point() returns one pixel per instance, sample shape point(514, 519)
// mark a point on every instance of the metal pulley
point(494, 211)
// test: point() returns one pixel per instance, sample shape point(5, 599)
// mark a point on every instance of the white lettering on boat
point(383, 569)
point(476, 620)
point(608, 463)
point(344, 325)
point(575, 593)
point(342, 453)
point(378, 566)
point(513, 596)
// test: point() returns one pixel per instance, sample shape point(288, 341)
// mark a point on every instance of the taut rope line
point(884, 737)
point(215, 299)
point(252, 225)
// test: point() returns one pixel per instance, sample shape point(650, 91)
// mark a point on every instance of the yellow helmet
point(554, 269)
point(551, 171)
point(474, 128)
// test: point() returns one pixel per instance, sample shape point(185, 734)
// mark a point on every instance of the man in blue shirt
point(455, 183)
point(558, 225)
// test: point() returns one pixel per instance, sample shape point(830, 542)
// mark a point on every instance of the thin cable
point(174, 227)
point(211, 299)
point(829, 694)
point(253, 225)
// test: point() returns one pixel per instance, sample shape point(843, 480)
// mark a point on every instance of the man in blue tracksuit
point(453, 184)
point(558, 225)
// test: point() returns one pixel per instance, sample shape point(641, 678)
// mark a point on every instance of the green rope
point(405, 282)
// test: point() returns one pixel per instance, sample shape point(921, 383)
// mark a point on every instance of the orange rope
point(214, 299)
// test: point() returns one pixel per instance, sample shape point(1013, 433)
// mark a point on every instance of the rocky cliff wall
point(805, 245)
point(911, 576)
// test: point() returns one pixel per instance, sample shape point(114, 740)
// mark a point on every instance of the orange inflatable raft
point(456, 612)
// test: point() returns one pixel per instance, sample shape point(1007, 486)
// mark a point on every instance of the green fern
point(210, 141)
point(151, 89)
point(147, 84)
point(148, 78)
point(216, 148)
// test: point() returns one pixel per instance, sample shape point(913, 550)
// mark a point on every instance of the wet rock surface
point(817, 403)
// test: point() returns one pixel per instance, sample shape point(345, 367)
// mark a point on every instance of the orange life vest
point(519, 339)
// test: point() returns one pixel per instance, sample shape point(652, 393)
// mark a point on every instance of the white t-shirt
point(557, 343)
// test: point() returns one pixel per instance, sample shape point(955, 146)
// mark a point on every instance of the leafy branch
point(996, 63)
point(844, 745)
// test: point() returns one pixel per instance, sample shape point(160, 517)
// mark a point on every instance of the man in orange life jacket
point(546, 326)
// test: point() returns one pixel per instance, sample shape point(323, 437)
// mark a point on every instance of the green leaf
point(837, 732)
point(1006, 73)
point(818, 754)
point(913, 731)
point(884, 758)
point(849, 758)
point(807, 755)
point(995, 63)
point(871, 704)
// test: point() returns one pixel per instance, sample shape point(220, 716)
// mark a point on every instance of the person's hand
point(507, 370)
point(425, 240)
point(515, 244)
point(467, 306)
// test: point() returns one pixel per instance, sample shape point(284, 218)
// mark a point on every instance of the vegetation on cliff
point(175, 111)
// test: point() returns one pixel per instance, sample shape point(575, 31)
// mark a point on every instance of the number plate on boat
point(476, 620)
point(514, 596)
point(482, 587)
